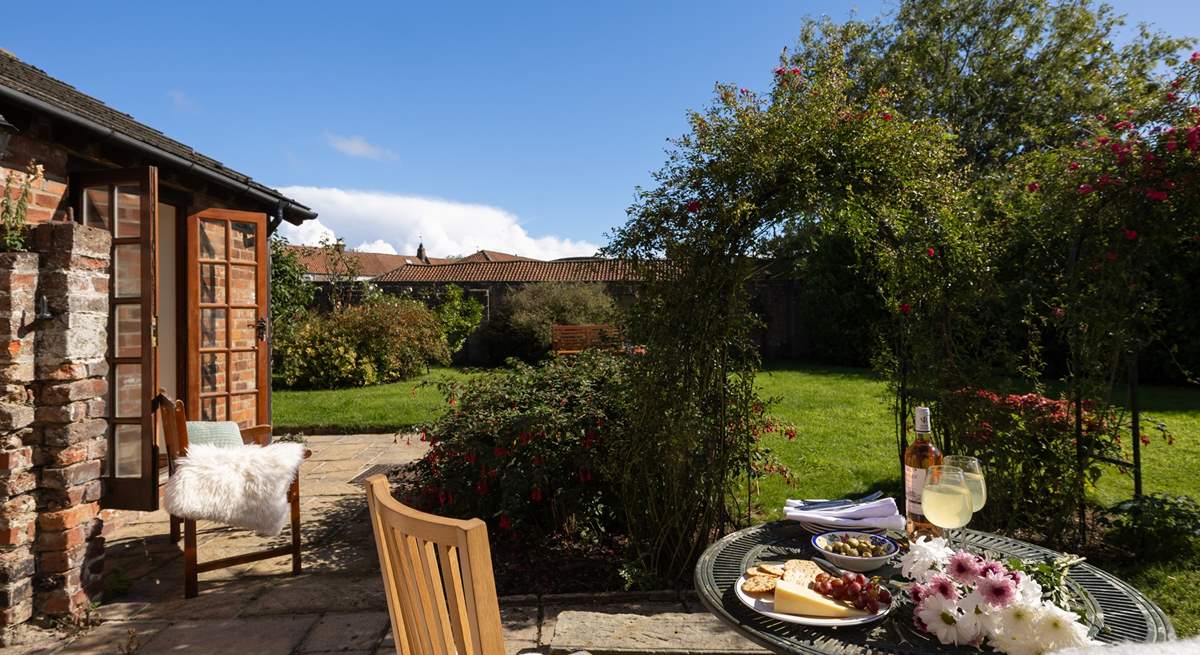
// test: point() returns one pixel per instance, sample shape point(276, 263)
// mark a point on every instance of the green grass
point(845, 445)
point(382, 408)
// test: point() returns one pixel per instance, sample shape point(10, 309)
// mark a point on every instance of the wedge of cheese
point(796, 598)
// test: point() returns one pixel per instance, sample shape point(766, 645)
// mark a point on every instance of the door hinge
point(153, 331)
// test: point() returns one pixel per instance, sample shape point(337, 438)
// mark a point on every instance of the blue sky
point(513, 126)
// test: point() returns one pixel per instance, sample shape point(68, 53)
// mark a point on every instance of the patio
point(338, 604)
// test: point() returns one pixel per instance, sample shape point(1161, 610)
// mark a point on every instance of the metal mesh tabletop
point(1115, 611)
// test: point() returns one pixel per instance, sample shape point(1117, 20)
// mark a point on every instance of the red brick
point(65, 519)
point(60, 561)
point(16, 459)
point(18, 483)
point(65, 392)
point(61, 602)
point(64, 540)
point(16, 615)
point(17, 533)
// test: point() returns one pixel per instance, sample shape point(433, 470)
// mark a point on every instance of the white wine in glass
point(973, 474)
point(945, 498)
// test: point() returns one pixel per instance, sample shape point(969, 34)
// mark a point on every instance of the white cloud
point(356, 146)
point(378, 245)
point(180, 100)
point(376, 219)
point(308, 233)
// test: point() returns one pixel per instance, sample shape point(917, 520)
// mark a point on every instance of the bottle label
point(921, 420)
point(914, 483)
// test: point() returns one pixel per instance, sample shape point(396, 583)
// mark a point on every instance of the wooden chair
point(437, 573)
point(175, 433)
point(574, 339)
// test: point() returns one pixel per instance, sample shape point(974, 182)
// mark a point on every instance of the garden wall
point(53, 333)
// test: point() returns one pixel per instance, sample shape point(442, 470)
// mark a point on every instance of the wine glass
point(973, 473)
point(945, 498)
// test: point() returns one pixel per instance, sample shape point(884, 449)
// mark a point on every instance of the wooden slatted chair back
point(437, 573)
point(174, 425)
point(572, 339)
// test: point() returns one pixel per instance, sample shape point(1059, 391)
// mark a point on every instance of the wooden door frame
point(192, 307)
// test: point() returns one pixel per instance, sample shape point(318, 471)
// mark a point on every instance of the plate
point(820, 528)
point(766, 607)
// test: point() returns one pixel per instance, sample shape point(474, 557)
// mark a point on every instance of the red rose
point(535, 495)
point(693, 206)
point(1132, 235)
point(1085, 189)
point(930, 251)
point(905, 308)
point(505, 522)
point(1073, 166)
point(1033, 187)
point(886, 116)
point(1156, 196)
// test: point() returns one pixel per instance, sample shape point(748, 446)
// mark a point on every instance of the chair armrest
point(257, 434)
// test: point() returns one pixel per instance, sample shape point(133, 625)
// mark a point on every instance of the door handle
point(260, 329)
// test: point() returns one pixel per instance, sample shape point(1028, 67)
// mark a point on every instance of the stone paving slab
point(360, 631)
point(639, 634)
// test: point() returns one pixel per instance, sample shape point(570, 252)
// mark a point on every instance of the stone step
point(690, 633)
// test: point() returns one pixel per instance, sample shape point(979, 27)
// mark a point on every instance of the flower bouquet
point(964, 599)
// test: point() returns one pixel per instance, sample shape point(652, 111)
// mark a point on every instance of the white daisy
point(1019, 622)
point(1060, 628)
point(1029, 591)
point(941, 618)
point(924, 558)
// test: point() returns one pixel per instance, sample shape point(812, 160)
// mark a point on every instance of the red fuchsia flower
point(795, 71)
point(1059, 312)
point(1168, 184)
point(1195, 57)
point(1102, 141)
point(499, 452)
point(1085, 189)
point(886, 116)
point(964, 567)
point(1110, 256)
point(693, 206)
point(1129, 112)
point(535, 494)
point(537, 460)
point(1156, 196)
point(524, 437)
point(1073, 166)
point(1123, 125)
point(780, 70)
point(930, 251)
point(585, 476)
point(745, 91)
point(1130, 235)
point(481, 487)
point(1193, 139)
point(471, 458)
point(1176, 83)
point(505, 523)
point(1033, 187)
point(453, 401)
point(1102, 118)
point(905, 308)
point(1172, 97)
point(1172, 145)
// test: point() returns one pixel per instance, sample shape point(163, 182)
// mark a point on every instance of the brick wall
point(52, 428)
point(50, 199)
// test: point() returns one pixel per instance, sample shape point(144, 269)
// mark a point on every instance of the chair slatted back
point(571, 339)
point(174, 425)
point(437, 573)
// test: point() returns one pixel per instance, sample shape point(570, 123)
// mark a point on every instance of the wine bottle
point(921, 454)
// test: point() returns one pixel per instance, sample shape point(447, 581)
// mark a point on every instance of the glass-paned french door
point(125, 202)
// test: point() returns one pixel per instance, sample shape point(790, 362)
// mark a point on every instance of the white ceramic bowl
point(820, 542)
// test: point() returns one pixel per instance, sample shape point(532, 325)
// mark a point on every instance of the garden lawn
point(381, 408)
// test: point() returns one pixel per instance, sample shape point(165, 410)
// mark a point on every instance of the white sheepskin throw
point(244, 486)
point(1184, 647)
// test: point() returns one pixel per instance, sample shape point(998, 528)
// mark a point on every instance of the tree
point(459, 316)
point(1011, 76)
point(533, 309)
point(291, 294)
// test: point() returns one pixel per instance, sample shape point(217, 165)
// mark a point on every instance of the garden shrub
point(529, 312)
point(524, 448)
point(385, 339)
point(459, 316)
point(1156, 526)
point(1026, 443)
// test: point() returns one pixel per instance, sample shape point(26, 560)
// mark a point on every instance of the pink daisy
point(991, 567)
point(917, 592)
point(997, 590)
point(964, 567)
point(942, 585)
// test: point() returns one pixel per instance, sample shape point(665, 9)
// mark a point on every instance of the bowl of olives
point(855, 551)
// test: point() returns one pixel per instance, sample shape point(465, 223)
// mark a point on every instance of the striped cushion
point(225, 434)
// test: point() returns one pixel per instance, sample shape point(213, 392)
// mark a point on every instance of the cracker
point(759, 584)
point(800, 571)
point(771, 569)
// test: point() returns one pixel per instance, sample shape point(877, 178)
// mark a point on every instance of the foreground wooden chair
point(437, 573)
point(175, 433)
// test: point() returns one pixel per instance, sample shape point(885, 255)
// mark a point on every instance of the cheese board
point(796, 598)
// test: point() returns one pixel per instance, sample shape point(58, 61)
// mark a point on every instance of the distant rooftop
point(590, 270)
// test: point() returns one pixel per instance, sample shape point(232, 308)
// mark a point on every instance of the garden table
point(1115, 611)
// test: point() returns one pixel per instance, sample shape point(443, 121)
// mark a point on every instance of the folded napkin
point(880, 513)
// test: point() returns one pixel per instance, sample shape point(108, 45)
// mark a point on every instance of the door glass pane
point(243, 408)
point(128, 324)
point(127, 390)
point(243, 239)
point(212, 372)
point(243, 367)
point(96, 207)
point(212, 239)
point(242, 322)
point(127, 450)
point(213, 409)
point(243, 288)
point(212, 283)
point(212, 328)
point(127, 269)
point(129, 211)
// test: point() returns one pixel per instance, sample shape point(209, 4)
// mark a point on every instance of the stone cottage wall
point(52, 428)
